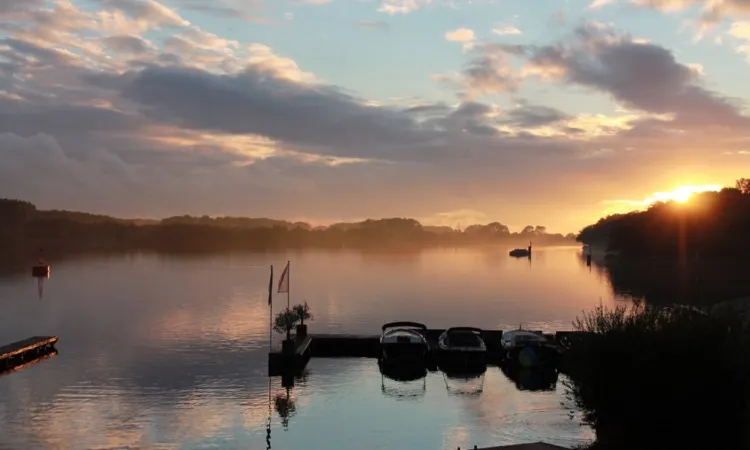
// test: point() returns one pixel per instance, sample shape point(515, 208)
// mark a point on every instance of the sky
point(542, 112)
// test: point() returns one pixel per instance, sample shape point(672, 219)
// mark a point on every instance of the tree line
point(22, 222)
point(709, 225)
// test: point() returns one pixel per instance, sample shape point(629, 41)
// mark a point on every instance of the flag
point(284, 280)
point(270, 288)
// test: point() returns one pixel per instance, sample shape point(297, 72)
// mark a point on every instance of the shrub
point(285, 322)
point(660, 378)
point(303, 312)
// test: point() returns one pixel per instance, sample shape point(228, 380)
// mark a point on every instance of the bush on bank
point(661, 378)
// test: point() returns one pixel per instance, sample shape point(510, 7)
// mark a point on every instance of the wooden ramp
point(21, 352)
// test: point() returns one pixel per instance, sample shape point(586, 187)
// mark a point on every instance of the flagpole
point(288, 282)
point(270, 311)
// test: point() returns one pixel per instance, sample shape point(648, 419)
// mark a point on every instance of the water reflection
point(268, 422)
point(403, 390)
point(464, 383)
point(665, 282)
point(25, 364)
point(285, 406)
point(539, 379)
point(164, 352)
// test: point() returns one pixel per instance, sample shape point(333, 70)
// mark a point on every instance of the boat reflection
point(403, 380)
point(538, 379)
point(464, 382)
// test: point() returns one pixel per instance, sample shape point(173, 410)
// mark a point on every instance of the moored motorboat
point(462, 349)
point(529, 349)
point(403, 343)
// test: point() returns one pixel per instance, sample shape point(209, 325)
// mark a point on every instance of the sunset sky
point(526, 112)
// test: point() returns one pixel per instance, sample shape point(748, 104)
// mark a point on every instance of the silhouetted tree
point(743, 185)
point(21, 221)
point(712, 224)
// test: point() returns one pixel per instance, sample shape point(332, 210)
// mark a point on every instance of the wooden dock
point(368, 346)
point(534, 446)
point(28, 350)
point(280, 363)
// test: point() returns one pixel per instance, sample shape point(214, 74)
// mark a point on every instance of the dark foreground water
point(162, 352)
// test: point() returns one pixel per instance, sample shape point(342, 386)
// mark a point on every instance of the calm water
point(170, 352)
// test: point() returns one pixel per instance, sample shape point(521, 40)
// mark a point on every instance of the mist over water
point(161, 351)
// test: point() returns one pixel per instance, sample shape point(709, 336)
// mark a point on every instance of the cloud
point(14, 6)
point(596, 4)
point(489, 71)
point(265, 61)
point(506, 30)
point(529, 116)
point(740, 32)
point(254, 102)
point(394, 7)
point(639, 75)
point(712, 9)
point(463, 35)
point(147, 11)
point(133, 45)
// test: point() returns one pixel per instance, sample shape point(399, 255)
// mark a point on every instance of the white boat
point(403, 342)
point(462, 349)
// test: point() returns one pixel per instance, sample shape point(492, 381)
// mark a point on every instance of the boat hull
point(532, 356)
point(403, 353)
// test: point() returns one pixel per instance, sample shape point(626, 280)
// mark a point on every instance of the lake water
point(170, 352)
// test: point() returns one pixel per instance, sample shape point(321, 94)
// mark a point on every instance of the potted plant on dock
point(284, 323)
point(303, 313)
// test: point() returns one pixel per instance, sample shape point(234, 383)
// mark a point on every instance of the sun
point(681, 194)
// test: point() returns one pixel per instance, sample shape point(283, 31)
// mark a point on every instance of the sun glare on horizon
point(680, 194)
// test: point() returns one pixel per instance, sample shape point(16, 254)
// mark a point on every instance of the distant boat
point(40, 269)
point(521, 252)
point(462, 349)
point(529, 349)
point(403, 343)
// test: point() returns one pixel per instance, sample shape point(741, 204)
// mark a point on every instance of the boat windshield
point(463, 339)
point(527, 337)
point(413, 326)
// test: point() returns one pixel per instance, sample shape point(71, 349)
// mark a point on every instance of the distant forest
point(709, 225)
point(22, 225)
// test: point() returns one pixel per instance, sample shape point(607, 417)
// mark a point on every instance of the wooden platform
point(534, 446)
point(368, 346)
point(280, 363)
point(21, 352)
